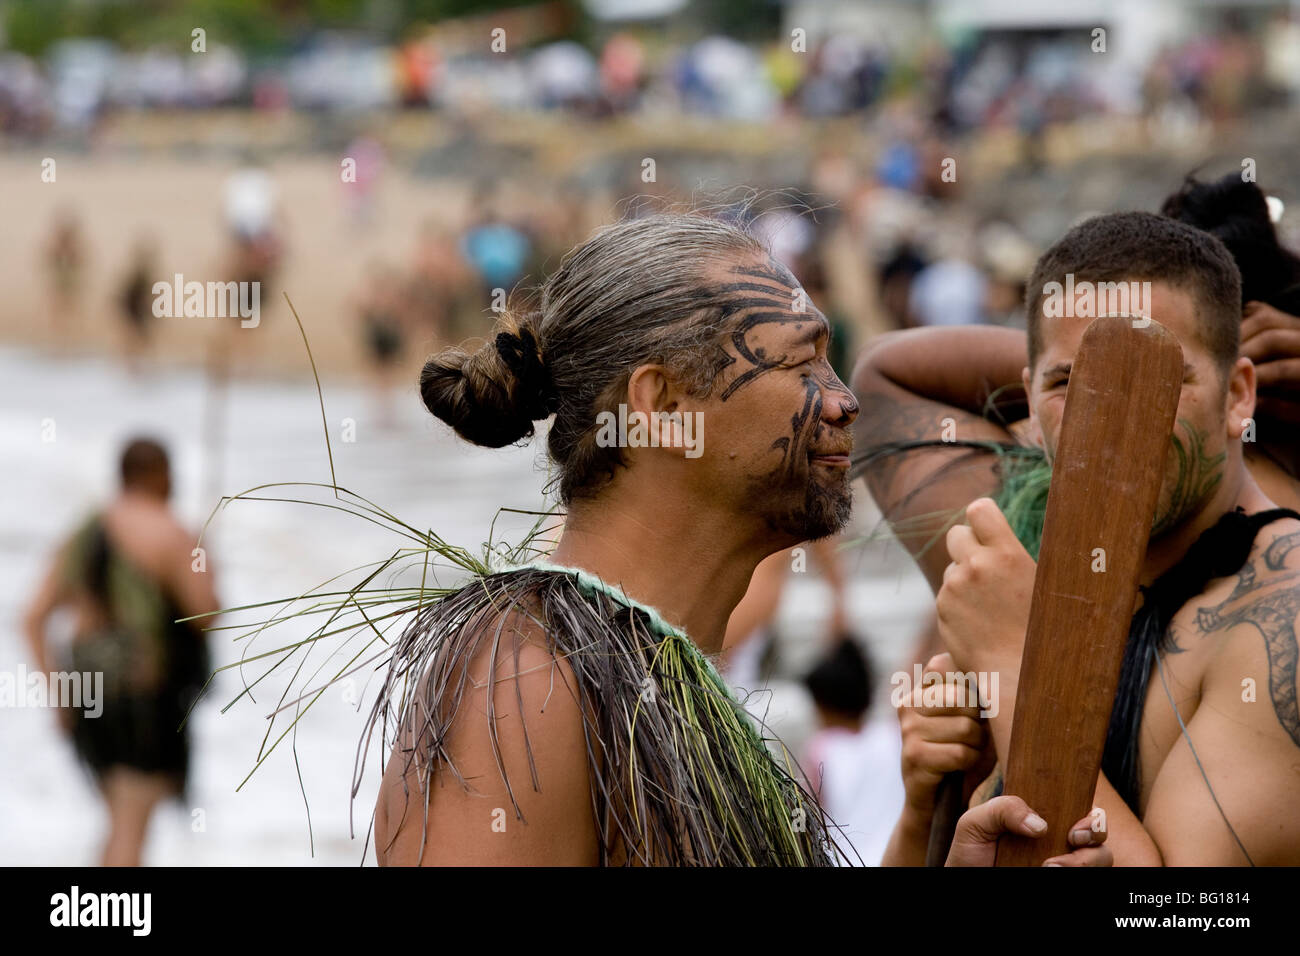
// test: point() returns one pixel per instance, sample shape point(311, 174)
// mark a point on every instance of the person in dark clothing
point(129, 572)
point(137, 298)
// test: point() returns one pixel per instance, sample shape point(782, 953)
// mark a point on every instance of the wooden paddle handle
point(947, 808)
point(1109, 464)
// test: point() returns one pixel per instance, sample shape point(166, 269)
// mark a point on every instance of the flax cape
point(679, 774)
point(152, 668)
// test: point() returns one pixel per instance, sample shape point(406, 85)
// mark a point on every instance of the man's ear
point(1239, 400)
point(649, 390)
point(656, 396)
point(1025, 379)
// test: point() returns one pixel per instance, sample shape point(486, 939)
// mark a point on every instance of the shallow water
point(414, 467)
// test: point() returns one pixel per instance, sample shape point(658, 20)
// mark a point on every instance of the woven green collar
point(589, 582)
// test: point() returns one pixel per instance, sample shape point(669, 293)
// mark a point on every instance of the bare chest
point(1175, 683)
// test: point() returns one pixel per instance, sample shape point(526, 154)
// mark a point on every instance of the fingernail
point(1081, 835)
point(1051, 864)
point(1035, 823)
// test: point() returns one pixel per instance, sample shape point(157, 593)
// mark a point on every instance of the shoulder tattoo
point(1271, 606)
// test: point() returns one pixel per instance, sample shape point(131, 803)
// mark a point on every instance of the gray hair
point(634, 293)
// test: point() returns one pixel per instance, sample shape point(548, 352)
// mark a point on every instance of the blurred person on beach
point(951, 290)
point(128, 573)
point(65, 261)
point(496, 248)
point(252, 223)
point(136, 300)
point(253, 255)
point(360, 191)
point(437, 286)
point(852, 760)
point(898, 273)
point(1007, 259)
point(381, 313)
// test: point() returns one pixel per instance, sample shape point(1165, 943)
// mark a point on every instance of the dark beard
point(824, 510)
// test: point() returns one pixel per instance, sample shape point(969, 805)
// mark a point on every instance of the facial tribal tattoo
point(772, 302)
point(1197, 479)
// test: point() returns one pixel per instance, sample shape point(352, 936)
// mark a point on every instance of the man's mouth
point(830, 459)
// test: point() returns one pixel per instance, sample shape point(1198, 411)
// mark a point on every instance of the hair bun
point(493, 396)
point(534, 390)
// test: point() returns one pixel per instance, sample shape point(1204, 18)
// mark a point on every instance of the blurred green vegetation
point(255, 26)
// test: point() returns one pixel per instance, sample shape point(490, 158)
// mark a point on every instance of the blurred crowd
point(978, 79)
point(876, 249)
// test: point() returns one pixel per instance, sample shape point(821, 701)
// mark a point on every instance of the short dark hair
point(842, 680)
point(143, 458)
point(1144, 246)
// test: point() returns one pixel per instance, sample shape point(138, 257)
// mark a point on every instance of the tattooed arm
point(1245, 730)
point(958, 366)
point(934, 384)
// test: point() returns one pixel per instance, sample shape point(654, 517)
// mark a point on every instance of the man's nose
point(839, 407)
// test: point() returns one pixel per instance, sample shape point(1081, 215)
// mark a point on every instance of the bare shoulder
point(1237, 760)
point(150, 535)
point(1254, 657)
point(514, 787)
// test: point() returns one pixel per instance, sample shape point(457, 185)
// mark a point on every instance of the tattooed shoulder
point(1266, 601)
